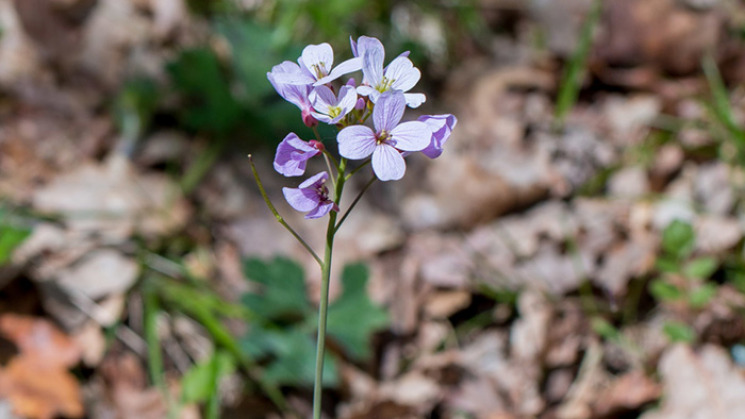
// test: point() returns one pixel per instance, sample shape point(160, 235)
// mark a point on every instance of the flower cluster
point(383, 95)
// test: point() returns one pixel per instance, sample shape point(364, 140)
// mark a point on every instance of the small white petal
point(318, 56)
point(403, 74)
point(356, 142)
point(388, 163)
point(411, 136)
point(413, 100)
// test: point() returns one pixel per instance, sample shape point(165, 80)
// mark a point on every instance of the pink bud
point(317, 145)
point(360, 105)
point(308, 119)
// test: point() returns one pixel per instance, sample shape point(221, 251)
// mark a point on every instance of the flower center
point(319, 69)
point(334, 111)
point(383, 137)
point(385, 84)
point(322, 191)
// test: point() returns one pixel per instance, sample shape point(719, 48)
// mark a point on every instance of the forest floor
point(576, 252)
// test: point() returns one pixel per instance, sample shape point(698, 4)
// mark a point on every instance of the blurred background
point(576, 252)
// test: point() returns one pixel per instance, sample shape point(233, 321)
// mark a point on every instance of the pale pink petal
point(322, 98)
point(401, 74)
point(365, 90)
point(387, 163)
point(318, 59)
point(301, 199)
point(372, 66)
point(347, 99)
point(319, 211)
point(356, 142)
point(413, 100)
point(365, 43)
point(349, 66)
point(411, 136)
point(388, 111)
point(315, 180)
point(292, 155)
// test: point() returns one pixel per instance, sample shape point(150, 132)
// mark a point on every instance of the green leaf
point(603, 328)
point(664, 291)
point(352, 317)
point(10, 238)
point(737, 278)
point(679, 332)
point(678, 239)
point(702, 295)
point(197, 383)
point(700, 268)
point(292, 356)
point(667, 265)
point(282, 296)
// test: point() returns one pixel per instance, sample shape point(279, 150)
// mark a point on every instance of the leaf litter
point(487, 277)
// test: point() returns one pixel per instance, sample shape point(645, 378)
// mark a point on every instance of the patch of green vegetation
point(684, 279)
point(11, 236)
point(571, 81)
point(283, 334)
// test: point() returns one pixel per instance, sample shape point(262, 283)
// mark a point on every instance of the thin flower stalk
point(383, 96)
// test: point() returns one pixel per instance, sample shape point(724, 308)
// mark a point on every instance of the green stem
point(324, 300)
point(279, 217)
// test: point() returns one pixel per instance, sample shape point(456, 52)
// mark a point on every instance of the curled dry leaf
point(36, 382)
point(40, 339)
point(627, 392)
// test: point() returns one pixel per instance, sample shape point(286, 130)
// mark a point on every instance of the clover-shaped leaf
point(352, 317)
point(282, 295)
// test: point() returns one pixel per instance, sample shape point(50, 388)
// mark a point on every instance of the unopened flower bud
point(317, 145)
point(308, 119)
point(360, 105)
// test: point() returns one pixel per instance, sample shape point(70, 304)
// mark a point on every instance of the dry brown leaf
point(716, 234)
point(529, 333)
point(519, 382)
point(101, 273)
point(659, 35)
point(128, 394)
point(36, 382)
point(39, 391)
point(113, 200)
point(702, 384)
point(627, 392)
point(40, 339)
point(443, 304)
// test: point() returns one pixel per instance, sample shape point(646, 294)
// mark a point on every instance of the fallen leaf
point(702, 384)
point(101, 273)
point(36, 382)
point(38, 391)
point(627, 392)
point(40, 339)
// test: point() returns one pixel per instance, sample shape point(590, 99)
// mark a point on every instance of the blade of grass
point(213, 403)
point(720, 105)
point(222, 338)
point(155, 357)
point(571, 81)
